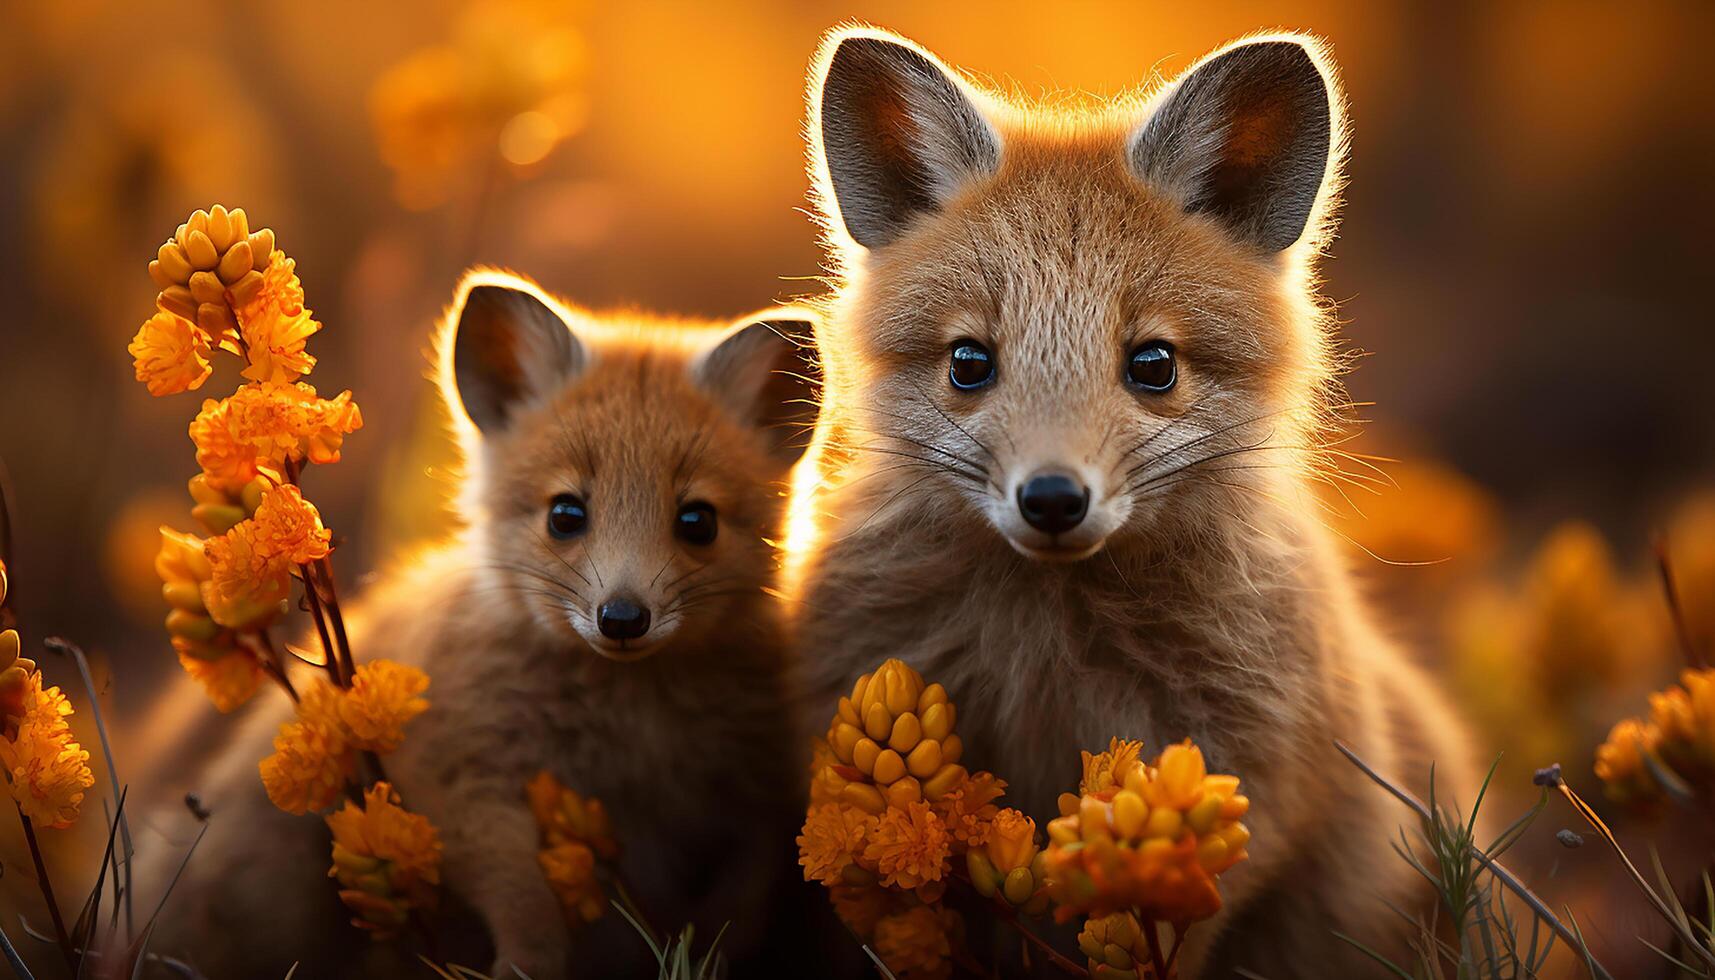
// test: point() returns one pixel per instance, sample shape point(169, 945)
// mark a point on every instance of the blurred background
point(1525, 256)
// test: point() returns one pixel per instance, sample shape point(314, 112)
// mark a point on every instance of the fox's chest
point(1041, 673)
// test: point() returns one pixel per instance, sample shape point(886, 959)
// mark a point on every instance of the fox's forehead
point(1065, 247)
point(633, 429)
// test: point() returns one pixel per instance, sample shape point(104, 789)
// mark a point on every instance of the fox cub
point(1078, 389)
point(603, 616)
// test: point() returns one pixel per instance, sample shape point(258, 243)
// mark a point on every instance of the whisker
point(562, 560)
point(1146, 481)
point(954, 423)
point(936, 464)
point(884, 505)
point(973, 464)
point(532, 572)
point(1199, 440)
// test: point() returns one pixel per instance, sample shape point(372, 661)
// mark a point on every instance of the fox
point(1079, 389)
point(603, 614)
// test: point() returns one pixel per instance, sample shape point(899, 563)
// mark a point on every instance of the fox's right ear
point(510, 351)
point(899, 134)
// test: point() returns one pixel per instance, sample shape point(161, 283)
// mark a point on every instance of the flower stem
point(1675, 919)
point(1152, 939)
point(328, 652)
point(312, 595)
point(1008, 915)
point(1496, 868)
point(1048, 950)
point(1173, 950)
point(338, 619)
point(48, 892)
point(1670, 588)
point(275, 666)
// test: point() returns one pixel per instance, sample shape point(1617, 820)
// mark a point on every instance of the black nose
point(622, 619)
point(1053, 503)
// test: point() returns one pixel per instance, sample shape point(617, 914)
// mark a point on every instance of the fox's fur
point(1202, 597)
point(688, 748)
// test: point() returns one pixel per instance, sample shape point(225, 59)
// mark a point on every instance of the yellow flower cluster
point(210, 269)
point(259, 427)
point(1146, 837)
point(891, 807)
point(316, 755)
point(251, 565)
point(225, 287)
point(209, 651)
point(1116, 947)
point(1677, 737)
point(894, 741)
point(575, 834)
point(386, 858)
point(1010, 863)
point(47, 771)
point(917, 944)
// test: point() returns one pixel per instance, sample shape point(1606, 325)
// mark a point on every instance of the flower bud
point(907, 732)
point(1020, 885)
point(984, 877)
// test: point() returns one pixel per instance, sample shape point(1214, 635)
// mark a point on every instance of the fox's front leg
point(491, 843)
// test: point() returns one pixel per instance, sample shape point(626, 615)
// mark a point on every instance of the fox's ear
point(1244, 137)
point(898, 133)
point(764, 370)
point(510, 351)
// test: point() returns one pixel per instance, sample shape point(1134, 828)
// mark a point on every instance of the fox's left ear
point(1244, 137)
point(764, 371)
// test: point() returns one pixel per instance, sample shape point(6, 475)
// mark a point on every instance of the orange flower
point(1007, 864)
point(1156, 844)
point(387, 859)
point(833, 839)
point(1620, 762)
point(1162, 879)
point(574, 830)
point(1686, 716)
point(289, 528)
point(565, 815)
point(383, 696)
point(1105, 772)
point(570, 870)
point(1177, 778)
point(312, 756)
point(248, 583)
point(170, 354)
point(967, 809)
point(230, 680)
point(275, 325)
point(251, 565)
point(914, 944)
point(259, 426)
point(47, 770)
point(909, 846)
point(1012, 841)
point(861, 906)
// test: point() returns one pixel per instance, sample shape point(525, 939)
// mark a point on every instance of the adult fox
point(1078, 389)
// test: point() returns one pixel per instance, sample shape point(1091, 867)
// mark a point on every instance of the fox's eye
point(696, 523)
point(1151, 367)
point(566, 516)
point(973, 365)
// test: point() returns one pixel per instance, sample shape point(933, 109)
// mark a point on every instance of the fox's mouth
point(625, 651)
point(1055, 550)
point(630, 650)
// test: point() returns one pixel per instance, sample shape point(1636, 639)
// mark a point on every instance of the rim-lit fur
point(1202, 596)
